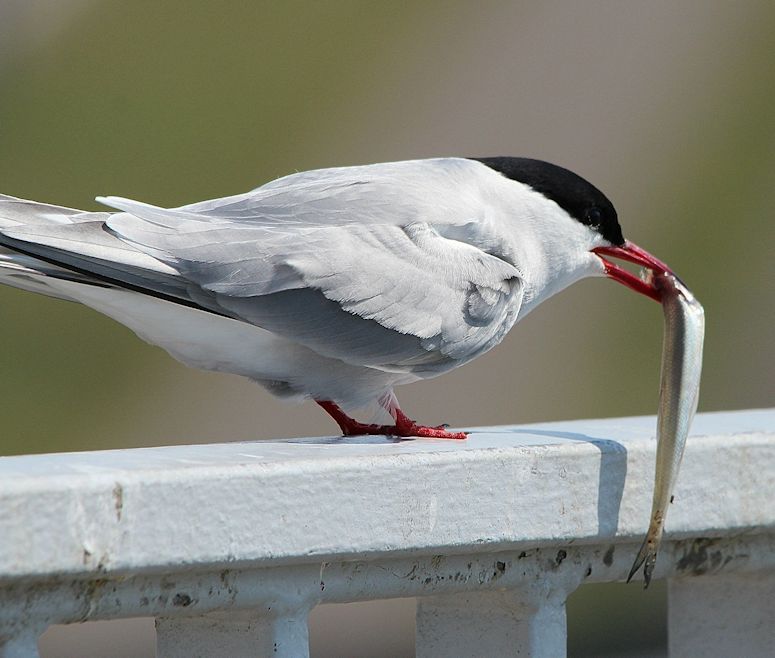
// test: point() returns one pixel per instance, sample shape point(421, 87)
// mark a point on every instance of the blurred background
point(668, 107)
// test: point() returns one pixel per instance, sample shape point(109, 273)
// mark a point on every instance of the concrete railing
point(229, 546)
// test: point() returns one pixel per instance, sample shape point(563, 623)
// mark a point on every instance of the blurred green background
point(669, 107)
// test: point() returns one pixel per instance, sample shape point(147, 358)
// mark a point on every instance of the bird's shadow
point(361, 439)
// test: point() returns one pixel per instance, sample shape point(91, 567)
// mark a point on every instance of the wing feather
point(364, 238)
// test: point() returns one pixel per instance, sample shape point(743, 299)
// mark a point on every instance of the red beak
point(633, 254)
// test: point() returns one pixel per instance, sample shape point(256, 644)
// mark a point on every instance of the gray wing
point(440, 191)
point(388, 291)
point(77, 240)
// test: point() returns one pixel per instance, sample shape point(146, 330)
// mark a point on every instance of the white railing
point(229, 546)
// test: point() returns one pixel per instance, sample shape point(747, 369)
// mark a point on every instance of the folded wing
point(314, 255)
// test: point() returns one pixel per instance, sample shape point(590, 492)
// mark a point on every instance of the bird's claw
point(404, 427)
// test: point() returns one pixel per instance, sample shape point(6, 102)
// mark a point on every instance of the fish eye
point(593, 217)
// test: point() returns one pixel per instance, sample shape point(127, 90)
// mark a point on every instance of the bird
point(335, 284)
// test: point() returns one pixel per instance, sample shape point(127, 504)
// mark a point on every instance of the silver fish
point(684, 330)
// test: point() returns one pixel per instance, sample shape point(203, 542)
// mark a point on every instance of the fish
point(684, 331)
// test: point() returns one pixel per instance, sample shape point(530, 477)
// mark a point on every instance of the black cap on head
point(578, 197)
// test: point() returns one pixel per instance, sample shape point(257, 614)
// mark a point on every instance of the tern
point(336, 284)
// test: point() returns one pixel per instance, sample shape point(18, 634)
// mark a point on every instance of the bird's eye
point(594, 217)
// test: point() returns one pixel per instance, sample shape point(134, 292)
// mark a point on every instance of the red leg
point(404, 426)
point(350, 426)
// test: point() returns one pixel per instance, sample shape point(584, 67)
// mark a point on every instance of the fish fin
point(647, 558)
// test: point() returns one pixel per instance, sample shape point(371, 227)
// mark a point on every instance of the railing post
point(235, 634)
point(525, 622)
point(20, 627)
point(24, 645)
point(722, 615)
